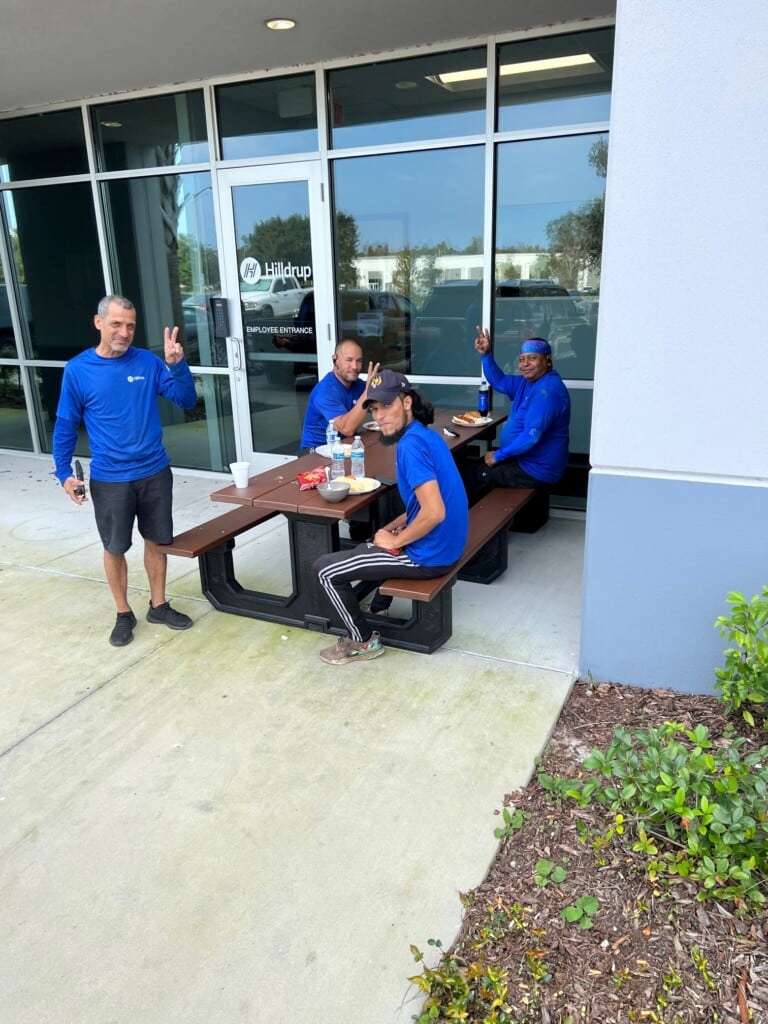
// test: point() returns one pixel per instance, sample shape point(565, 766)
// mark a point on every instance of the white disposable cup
point(240, 473)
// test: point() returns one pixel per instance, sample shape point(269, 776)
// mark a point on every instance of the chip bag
point(311, 478)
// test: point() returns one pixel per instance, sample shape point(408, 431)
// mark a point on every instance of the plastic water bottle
point(337, 459)
point(331, 434)
point(483, 398)
point(357, 457)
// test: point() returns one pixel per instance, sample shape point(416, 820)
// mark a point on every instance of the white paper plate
point(361, 485)
point(324, 451)
point(478, 423)
point(371, 425)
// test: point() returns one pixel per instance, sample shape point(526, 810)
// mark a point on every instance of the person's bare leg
point(156, 566)
point(116, 571)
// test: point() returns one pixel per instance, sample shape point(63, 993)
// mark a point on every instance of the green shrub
point(743, 683)
point(693, 810)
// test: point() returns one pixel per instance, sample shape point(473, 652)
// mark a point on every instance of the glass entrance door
point(274, 255)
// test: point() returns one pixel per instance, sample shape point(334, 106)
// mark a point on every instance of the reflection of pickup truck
point(442, 340)
point(273, 296)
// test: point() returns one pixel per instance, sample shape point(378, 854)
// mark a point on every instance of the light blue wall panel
point(661, 556)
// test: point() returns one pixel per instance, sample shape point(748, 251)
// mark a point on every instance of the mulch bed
point(655, 953)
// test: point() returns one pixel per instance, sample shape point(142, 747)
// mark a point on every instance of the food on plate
point(360, 484)
point(469, 419)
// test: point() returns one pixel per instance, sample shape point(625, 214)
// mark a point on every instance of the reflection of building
point(418, 143)
point(378, 271)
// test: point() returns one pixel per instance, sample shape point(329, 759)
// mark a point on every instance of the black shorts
point(148, 501)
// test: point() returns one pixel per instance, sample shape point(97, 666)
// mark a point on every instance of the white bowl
point(336, 490)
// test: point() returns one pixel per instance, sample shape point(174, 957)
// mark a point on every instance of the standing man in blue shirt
point(425, 541)
point(533, 448)
point(113, 390)
point(339, 396)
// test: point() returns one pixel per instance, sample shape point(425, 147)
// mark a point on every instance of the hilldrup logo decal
point(251, 270)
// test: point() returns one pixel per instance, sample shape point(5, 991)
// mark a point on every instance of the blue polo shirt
point(536, 432)
point(421, 456)
point(116, 400)
point(329, 398)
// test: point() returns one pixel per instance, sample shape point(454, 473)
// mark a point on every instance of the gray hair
point(119, 300)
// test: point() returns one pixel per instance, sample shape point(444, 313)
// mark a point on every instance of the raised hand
point(483, 340)
point(173, 349)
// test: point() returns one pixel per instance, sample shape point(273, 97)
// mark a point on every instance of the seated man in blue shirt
point(533, 448)
point(425, 541)
point(339, 396)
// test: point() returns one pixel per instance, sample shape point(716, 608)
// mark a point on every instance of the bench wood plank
point(491, 514)
point(206, 536)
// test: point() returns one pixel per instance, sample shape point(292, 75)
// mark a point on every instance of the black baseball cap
point(385, 386)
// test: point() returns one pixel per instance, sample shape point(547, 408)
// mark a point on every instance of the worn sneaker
point(164, 615)
point(345, 650)
point(122, 634)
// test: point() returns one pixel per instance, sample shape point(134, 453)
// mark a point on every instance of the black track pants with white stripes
point(340, 569)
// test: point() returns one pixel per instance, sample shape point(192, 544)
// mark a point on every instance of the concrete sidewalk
point(213, 826)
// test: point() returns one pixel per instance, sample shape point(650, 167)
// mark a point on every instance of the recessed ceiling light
point(406, 85)
point(280, 24)
point(111, 124)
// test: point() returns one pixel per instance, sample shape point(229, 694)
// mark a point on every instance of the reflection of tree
point(415, 272)
point(508, 271)
point(347, 244)
point(169, 211)
point(284, 239)
point(206, 264)
point(576, 238)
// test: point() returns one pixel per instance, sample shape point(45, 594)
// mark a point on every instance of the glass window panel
point(407, 240)
point(14, 422)
point(438, 95)
point(274, 258)
point(57, 264)
point(163, 247)
point(203, 437)
point(268, 117)
point(45, 384)
point(42, 146)
point(555, 81)
point(159, 131)
point(549, 230)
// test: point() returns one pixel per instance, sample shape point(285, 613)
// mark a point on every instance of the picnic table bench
point(484, 559)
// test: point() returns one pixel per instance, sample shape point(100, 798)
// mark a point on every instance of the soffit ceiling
point(70, 50)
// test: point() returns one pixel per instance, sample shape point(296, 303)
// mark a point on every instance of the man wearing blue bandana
point(533, 448)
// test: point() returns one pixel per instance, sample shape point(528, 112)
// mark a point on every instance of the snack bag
point(311, 478)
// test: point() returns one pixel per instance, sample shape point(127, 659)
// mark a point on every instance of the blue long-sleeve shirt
point(116, 399)
point(536, 432)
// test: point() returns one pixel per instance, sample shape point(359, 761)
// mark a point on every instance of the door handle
point(237, 354)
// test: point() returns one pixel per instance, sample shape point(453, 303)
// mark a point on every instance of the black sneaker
point(122, 634)
point(164, 615)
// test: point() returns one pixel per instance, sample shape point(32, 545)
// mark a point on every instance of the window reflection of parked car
point(535, 308)
point(443, 331)
point(273, 296)
point(380, 322)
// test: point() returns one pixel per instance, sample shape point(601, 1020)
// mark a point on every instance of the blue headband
point(537, 346)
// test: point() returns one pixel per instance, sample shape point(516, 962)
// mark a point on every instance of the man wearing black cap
point(425, 541)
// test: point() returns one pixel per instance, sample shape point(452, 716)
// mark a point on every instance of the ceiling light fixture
point(111, 124)
point(551, 67)
point(280, 24)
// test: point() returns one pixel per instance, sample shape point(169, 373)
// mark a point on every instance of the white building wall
point(678, 500)
point(682, 356)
